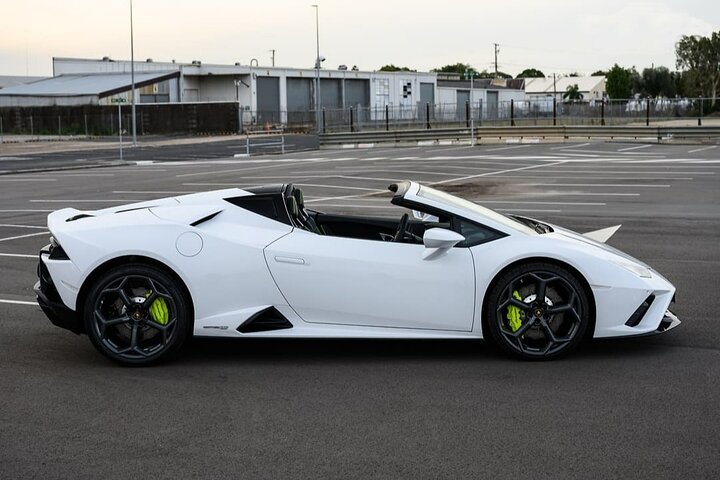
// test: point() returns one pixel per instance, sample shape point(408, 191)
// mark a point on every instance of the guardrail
point(264, 133)
point(540, 132)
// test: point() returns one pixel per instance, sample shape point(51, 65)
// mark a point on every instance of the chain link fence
point(231, 118)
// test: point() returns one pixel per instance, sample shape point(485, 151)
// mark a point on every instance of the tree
point(598, 73)
point(486, 74)
point(394, 68)
point(656, 82)
point(574, 74)
point(459, 68)
point(700, 57)
point(619, 82)
point(531, 73)
point(572, 93)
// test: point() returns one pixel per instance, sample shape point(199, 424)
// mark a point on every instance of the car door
point(347, 281)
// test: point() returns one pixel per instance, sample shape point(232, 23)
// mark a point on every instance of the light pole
point(132, 78)
point(239, 110)
point(471, 72)
point(317, 68)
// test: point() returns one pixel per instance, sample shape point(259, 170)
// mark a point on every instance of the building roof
point(100, 84)
point(545, 85)
point(12, 80)
point(485, 83)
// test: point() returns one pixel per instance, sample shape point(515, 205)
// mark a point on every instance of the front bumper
point(668, 322)
point(51, 304)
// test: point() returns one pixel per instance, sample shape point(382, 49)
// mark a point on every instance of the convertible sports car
point(139, 279)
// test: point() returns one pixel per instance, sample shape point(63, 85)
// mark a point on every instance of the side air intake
point(265, 321)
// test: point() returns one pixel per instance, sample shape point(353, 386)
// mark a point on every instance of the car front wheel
point(537, 311)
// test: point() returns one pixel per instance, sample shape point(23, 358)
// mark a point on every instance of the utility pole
point(317, 67)
point(497, 49)
point(132, 79)
point(273, 56)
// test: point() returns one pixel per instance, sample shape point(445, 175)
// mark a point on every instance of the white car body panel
point(331, 286)
point(358, 282)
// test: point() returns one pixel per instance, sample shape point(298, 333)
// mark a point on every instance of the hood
point(565, 234)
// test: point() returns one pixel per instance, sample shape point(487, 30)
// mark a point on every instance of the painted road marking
point(9, 225)
point(507, 148)
point(702, 149)
point(24, 236)
point(634, 148)
point(18, 302)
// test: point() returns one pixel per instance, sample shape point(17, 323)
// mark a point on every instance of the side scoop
point(602, 235)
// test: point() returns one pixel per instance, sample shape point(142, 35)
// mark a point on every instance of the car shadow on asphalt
point(370, 350)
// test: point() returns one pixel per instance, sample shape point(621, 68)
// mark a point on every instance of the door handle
point(293, 260)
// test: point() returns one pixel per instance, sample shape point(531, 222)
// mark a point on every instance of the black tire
point(137, 314)
point(524, 325)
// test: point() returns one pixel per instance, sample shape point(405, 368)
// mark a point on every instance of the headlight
point(638, 270)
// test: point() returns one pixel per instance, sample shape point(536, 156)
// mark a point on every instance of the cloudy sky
point(553, 35)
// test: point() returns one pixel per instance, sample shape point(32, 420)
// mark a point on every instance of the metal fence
point(232, 118)
point(514, 113)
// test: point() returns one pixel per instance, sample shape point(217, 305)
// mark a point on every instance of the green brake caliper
point(159, 310)
point(515, 316)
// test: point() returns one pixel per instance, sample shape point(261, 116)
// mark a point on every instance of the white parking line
point(342, 187)
point(9, 225)
point(634, 148)
point(567, 147)
point(702, 149)
point(165, 192)
point(506, 148)
point(25, 211)
point(106, 200)
point(27, 180)
point(23, 236)
point(18, 302)
point(613, 185)
point(18, 255)
point(533, 202)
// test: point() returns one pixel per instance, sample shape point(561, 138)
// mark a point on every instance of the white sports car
point(141, 278)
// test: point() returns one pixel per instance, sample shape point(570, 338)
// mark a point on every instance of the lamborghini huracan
point(140, 279)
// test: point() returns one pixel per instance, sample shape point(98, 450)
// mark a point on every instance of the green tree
point(656, 82)
point(619, 82)
point(700, 57)
point(486, 74)
point(599, 73)
point(574, 74)
point(531, 73)
point(572, 93)
point(395, 68)
point(459, 68)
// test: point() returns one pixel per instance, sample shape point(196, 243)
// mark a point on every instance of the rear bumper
point(52, 305)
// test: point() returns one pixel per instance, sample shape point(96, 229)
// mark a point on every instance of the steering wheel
point(402, 228)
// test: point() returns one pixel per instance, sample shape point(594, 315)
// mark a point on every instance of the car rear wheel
point(537, 311)
point(137, 314)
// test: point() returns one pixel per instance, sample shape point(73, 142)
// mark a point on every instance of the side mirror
point(438, 240)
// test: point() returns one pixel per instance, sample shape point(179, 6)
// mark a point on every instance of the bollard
point(467, 114)
point(427, 116)
point(554, 111)
point(387, 117)
point(647, 113)
point(602, 112)
point(512, 112)
point(700, 113)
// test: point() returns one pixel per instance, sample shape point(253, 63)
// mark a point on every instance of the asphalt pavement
point(251, 408)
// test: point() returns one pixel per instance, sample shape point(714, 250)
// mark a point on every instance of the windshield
point(447, 199)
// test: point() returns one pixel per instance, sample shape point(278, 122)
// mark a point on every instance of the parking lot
point(380, 409)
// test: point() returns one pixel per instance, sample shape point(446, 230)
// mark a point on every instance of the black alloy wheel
point(137, 314)
point(537, 311)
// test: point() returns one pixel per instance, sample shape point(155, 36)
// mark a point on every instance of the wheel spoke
point(540, 288)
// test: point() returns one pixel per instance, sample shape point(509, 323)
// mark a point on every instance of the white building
point(591, 88)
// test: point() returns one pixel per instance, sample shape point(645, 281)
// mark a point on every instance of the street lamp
point(317, 68)
point(132, 78)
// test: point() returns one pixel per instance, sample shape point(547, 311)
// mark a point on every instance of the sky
point(555, 36)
